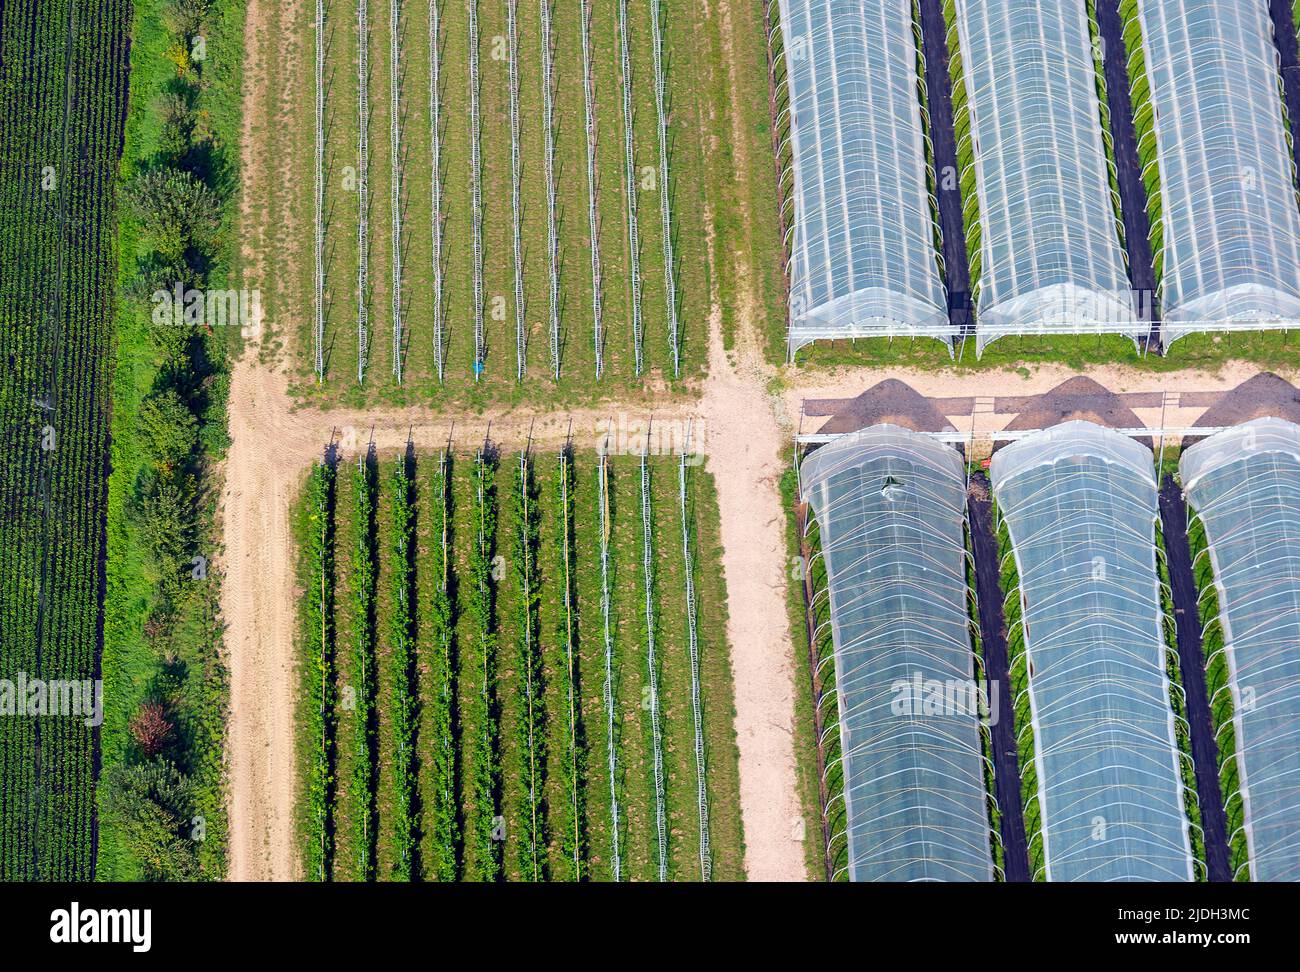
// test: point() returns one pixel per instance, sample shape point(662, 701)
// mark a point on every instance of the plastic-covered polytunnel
point(1225, 206)
point(863, 261)
point(1046, 249)
point(1244, 484)
point(890, 507)
point(1080, 505)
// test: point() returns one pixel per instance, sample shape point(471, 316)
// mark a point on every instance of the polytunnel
point(863, 257)
point(890, 507)
point(1080, 504)
point(1244, 484)
point(1049, 257)
point(1227, 211)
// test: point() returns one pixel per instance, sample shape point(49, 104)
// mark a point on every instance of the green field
point(467, 811)
point(62, 92)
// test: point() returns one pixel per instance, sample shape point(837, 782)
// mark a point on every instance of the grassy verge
point(162, 804)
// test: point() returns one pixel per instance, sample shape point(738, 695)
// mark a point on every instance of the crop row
point(552, 717)
point(62, 90)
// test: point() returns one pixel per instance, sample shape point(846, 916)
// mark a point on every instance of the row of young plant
point(965, 136)
point(816, 622)
point(1144, 127)
point(1178, 702)
point(62, 92)
point(162, 805)
point(485, 657)
point(1018, 692)
point(1222, 709)
point(982, 678)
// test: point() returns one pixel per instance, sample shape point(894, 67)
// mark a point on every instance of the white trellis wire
point(652, 666)
point(697, 708)
point(629, 153)
point(665, 191)
point(435, 133)
point(476, 188)
point(395, 141)
point(588, 96)
point(363, 187)
point(552, 233)
point(320, 192)
point(605, 607)
point(516, 187)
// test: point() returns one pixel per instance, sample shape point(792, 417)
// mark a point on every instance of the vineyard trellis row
point(552, 230)
point(593, 221)
point(486, 769)
point(319, 227)
point(320, 612)
point(652, 667)
point(531, 729)
point(611, 718)
point(572, 770)
point(363, 187)
point(697, 708)
point(395, 157)
point(629, 154)
point(364, 573)
point(476, 189)
point(516, 190)
point(402, 649)
point(435, 138)
point(445, 812)
point(665, 186)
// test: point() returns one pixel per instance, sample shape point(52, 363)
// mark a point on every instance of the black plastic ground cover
point(1288, 49)
point(938, 95)
point(1191, 663)
point(993, 635)
point(1132, 191)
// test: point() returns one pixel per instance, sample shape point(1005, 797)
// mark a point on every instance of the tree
point(150, 728)
point(168, 429)
point(176, 211)
point(168, 525)
point(153, 803)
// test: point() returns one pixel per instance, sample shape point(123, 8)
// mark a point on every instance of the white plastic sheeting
point(890, 505)
point(1245, 486)
point(1051, 260)
point(1080, 503)
point(863, 261)
point(1231, 253)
